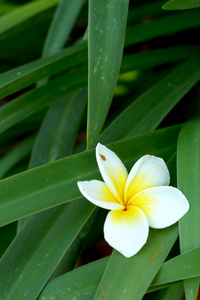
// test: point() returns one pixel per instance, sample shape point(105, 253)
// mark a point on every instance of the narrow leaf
point(56, 183)
point(87, 277)
point(25, 12)
point(181, 267)
point(10, 159)
point(188, 182)
point(106, 33)
point(145, 113)
point(162, 26)
point(23, 76)
point(181, 4)
point(26, 272)
point(62, 23)
point(41, 97)
point(148, 59)
point(60, 126)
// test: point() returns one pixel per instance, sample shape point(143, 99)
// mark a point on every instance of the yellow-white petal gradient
point(148, 171)
point(126, 231)
point(163, 206)
point(112, 170)
point(98, 193)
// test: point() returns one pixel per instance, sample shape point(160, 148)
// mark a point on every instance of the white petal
point(126, 231)
point(112, 170)
point(98, 193)
point(163, 206)
point(148, 171)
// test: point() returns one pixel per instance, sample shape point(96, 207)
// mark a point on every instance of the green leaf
point(60, 126)
point(188, 182)
point(68, 261)
point(7, 234)
point(87, 277)
point(50, 234)
point(181, 4)
point(138, 13)
point(146, 112)
point(106, 33)
point(57, 135)
point(10, 159)
point(181, 267)
point(25, 12)
point(23, 76)
point(148, 261)
point(56, 183)
point(174, 291)
point(41, 97)
point(48, 237)
point(148, 59)
point(5, 7)
point(162, 26)
point(62, 23)
point(83, 281)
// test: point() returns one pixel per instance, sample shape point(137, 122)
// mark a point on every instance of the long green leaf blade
point(107, 24)
point(184, 266)
point(146, 112)
point(61, 25)
point(24, 12)
point(60, 126)
point(162, 26)
point(57, 233)
point(148, 59)
point(188, 182)
point(23, 76)
point(181, 4)
point(56, 183)
point(41, 97)
point(88, 277)
point(26, 272)
point(10, 159)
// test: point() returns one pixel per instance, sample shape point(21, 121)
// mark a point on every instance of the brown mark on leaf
point(103, 157)
point(154, 255)
point(198, 294)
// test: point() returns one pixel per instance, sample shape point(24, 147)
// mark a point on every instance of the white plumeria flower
point(137, 200)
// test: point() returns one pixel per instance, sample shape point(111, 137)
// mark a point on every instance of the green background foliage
point(72, 74)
